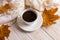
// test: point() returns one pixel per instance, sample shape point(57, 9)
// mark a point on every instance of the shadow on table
point(17, 27)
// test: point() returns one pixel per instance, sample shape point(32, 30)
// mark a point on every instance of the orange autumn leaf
point(5, 8)
point(52, 11)
point(4, 32)
point(49, 16)
point(54, 17)
point(45, 18)
point(51, 22)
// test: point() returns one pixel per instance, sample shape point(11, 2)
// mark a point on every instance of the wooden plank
point(44, 35)
point(13, 35)
point(17, 34)
point(21, 35)
point(39, 35)
point(36, 35)
point(53, 31)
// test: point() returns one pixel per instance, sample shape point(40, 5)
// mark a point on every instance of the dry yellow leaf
point(52, 11)
point(49, 16)
point(5, 8)
point(4, 32)
point(54, 17)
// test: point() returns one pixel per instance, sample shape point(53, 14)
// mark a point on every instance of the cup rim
point(28, 10)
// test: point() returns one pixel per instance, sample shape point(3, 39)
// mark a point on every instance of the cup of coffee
point(29, 16)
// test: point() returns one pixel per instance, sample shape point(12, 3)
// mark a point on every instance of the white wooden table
point(49, 33)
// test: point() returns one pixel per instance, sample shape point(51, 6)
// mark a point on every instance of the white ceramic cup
point(34, 11)
point(30, 26)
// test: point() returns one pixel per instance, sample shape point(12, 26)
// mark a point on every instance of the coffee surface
point(29, 16)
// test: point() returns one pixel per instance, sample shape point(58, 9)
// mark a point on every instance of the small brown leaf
point(5, 8)
point(4, 32)
point(49, 16)
point(52, 11)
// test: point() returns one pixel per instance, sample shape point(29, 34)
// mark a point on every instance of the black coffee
point(29, 16)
